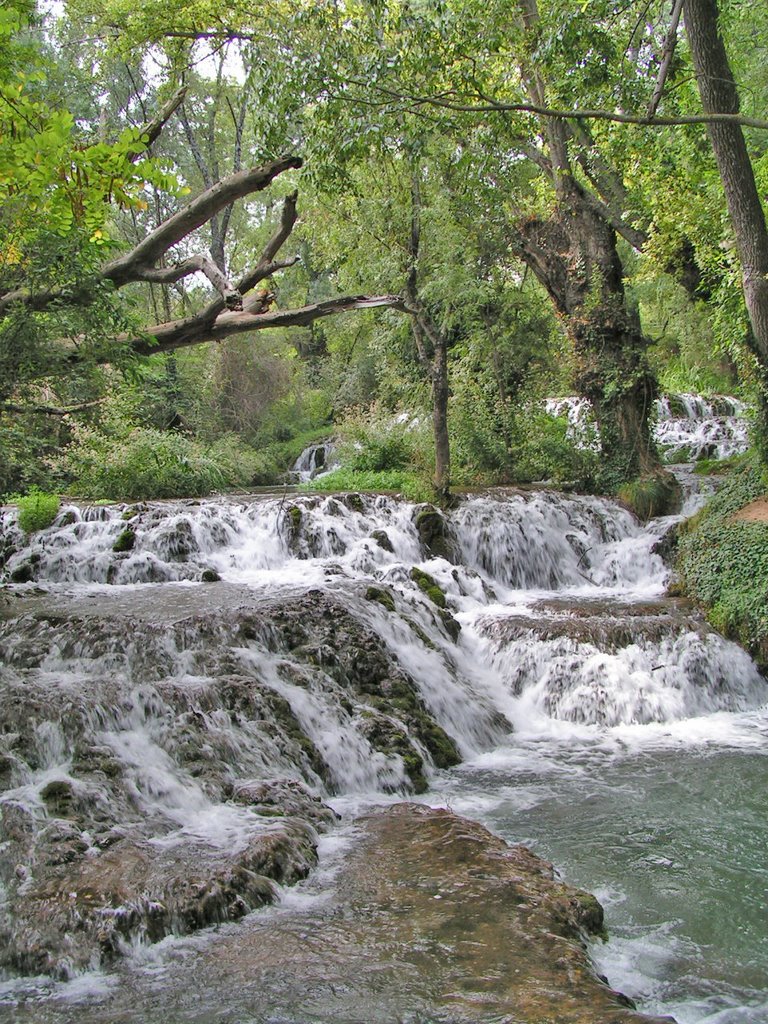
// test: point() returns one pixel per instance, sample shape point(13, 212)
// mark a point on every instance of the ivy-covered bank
point(723, 559)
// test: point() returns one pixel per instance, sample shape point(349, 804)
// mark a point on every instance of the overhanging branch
point(197, 329)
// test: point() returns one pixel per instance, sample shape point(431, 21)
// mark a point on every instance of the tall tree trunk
point(432, 348)
point(719, 95)
point(573, 254)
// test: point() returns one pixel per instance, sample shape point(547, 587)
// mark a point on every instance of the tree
point(719, 95)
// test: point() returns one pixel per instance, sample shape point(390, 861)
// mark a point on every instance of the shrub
point(37, 509)
point(151, 463)
point(723, 562)
point(657, 494)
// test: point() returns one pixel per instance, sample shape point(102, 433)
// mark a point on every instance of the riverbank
point(722, 560)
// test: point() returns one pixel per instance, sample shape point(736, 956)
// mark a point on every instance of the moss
point(654, 495)
point(428, 585)
point(23, 574)
point(291, 729)
point(125, 542)
point(354, 502)
point(589, 914)
point(381, 596)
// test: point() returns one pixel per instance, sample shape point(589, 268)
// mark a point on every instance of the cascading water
point(342, 648)
point(686, 427)
point(315, 460)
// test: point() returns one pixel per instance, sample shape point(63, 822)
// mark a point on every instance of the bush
point(544, 449)
point(723, 562)
point(657, 494)
point(151, 463)
point(37, 509)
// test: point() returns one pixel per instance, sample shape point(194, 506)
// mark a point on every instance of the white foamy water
point(686, 427)
point(581, 704)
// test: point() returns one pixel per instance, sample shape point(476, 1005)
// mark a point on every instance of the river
point(597, 721)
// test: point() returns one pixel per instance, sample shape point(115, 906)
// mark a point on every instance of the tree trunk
point(573, 254)
point(719, 95)
point(440, 420)
point(432, 349)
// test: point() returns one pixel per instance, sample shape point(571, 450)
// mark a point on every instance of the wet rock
point(57, 796)
point(23, 573)
point(429, 586)
point(210, 576)
point(125, 542)
point(381, 596)
point(382, 539)
point(284, 797)
point(80, 912)
point(433, 533)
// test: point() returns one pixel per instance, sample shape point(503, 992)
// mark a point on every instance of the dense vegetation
point(723, 560)
point(226, 233)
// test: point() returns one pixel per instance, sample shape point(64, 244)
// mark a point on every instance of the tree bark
point(194, 331)
point(574, 255)
point(719, 94)
point(432, 348)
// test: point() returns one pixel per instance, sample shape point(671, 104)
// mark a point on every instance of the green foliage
point(37, 509)
point(723, 561)
point(150, 463)
point(544, 449)
point(410, 485)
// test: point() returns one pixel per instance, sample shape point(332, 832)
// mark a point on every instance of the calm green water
point(669, 828)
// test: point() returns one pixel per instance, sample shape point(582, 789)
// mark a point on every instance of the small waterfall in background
point(192, 690)
point(687, 427)
point(316, 459)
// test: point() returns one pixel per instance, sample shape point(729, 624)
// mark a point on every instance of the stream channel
point(597, 721)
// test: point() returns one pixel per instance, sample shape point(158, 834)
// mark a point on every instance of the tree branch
point(197, 329)
point(48, 410)
point(124, 269)
point(578, 114)
point(152, 129)
point(670, 42)
point(169, 275)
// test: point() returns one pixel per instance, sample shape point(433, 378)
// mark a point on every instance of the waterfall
point(686, 427)
point(315, 460)
point(184, 682)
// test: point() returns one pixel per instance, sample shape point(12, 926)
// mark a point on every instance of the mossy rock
point(353, 501)
point(429, 586)
point(125, 542)
point(382, 539)
point(384, 735)
point(380, 596)
point(209, 576)
point(657, 494)
point(433, 532)
point(23, 574)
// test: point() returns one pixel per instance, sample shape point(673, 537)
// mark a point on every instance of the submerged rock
point(429, 918)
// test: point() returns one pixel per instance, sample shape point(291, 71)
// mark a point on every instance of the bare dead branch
point(670, 42)
point(123, 270)
point(48, 410)
point(169, 275)
point(196, 329)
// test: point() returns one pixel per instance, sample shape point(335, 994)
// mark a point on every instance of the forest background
point(226, 234)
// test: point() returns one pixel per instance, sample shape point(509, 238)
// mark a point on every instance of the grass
point(410, 485)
